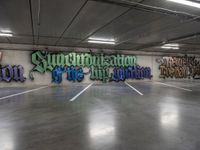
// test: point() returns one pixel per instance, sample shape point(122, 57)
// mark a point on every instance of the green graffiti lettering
point(73, 58)
point(94, 73)
point(60, 60)
point(50, 61)
point(78, 60)
point(99, 63)
point(113, 61)
point(88, 60)
point(94, 61)
point(67, 63)
point(38, 59)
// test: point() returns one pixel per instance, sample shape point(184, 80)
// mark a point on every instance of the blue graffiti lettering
point(9, 73)
point(57, 74)
point(134, 72)
point(72, 74)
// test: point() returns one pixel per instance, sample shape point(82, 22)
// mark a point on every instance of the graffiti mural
point(179, 67)
point(72, 66)
point(9, 73)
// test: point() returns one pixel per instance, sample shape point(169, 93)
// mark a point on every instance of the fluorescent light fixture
point(101, 42)
point(6, 34)
point(186, 2)
point(101, 39)
point(170, 46)
point(6, 31)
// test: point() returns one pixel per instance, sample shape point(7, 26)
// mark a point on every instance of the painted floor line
point(28, 91)
point(133, 88)
point(170, 85)
point(75, 97)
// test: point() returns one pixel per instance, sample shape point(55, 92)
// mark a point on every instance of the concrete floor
point(105, 117)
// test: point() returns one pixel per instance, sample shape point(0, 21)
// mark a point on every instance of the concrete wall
point(15, 57)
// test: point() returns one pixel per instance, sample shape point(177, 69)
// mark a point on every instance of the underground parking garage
point(99, 75)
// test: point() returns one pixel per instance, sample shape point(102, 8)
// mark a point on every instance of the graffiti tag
point(179, 67)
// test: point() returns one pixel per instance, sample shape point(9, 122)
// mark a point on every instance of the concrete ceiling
point(139, 25)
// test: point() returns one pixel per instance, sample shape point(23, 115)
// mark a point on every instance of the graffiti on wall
point(72, 74)
point(134, 72)
point(9, 73)
point(45, 61)
point(73, 64)
point(179, 67)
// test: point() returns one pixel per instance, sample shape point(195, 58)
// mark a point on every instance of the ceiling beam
point(31, 19)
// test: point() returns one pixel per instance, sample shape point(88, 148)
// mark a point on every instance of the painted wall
point(14, 57)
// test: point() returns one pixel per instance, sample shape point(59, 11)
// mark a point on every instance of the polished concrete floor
point(110, 116)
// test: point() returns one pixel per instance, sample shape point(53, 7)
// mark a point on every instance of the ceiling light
point(5, 31)
point(172, 45)
point(187, 2)
point(6, 34)
point(101, 42)
point(169, 47)
point(102, 39)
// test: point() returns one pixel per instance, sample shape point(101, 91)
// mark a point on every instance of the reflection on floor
point(109, 116)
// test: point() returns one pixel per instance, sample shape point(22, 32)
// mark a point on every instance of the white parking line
point(75, 97)
point(28, 91)
point(169, 85)
point(133, 88)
